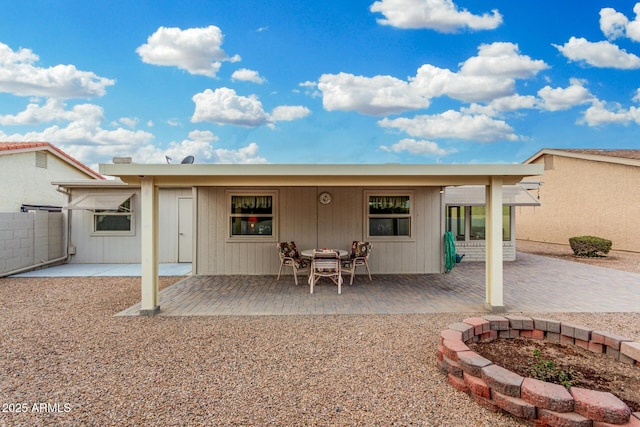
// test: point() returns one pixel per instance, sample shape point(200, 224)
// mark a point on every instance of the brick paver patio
point(531, 284)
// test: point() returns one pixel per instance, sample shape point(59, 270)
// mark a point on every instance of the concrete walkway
point(111, 270)
point(531, 284)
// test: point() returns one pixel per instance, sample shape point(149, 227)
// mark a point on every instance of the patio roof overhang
point(475, 195)
point(179, 175)
point(151, 177)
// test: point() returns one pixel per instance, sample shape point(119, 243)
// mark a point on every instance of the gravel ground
point(619, 260)
point(63, 347)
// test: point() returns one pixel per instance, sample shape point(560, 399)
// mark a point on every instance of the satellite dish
point(168, 159)
point(188, 160)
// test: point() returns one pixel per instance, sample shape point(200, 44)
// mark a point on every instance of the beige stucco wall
point(303, 219)
point(581, 197)
point(24, 183)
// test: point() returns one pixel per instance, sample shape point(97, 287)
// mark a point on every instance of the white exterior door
point(185, 229)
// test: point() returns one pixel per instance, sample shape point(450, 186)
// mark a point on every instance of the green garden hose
point(449, 252)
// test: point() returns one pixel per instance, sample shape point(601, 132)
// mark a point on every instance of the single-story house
point(31, 218)
point(104, 217)
point(26, 172)
point(465, 217)
point(240, 212)
point(585, 192)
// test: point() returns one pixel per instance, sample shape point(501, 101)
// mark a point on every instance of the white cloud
point(379, 95)
point(502, 59)
point(199, 144)
point(601, 54)
point(196, 50)
point(489, 75)
point(453, 124)
point(82, 137)
point(433, 82)
point(247, 75)
point(19, 76)
point(564, 98)
point(287, 113)
point(612, 24)
point(505, 104)
point(130, 122)
point(421, 147)
point(598, 114)
point(615, 24)
point(35, 114)
point(247, 155)
point(310, 89)
point(439, 15)
point(224, 106)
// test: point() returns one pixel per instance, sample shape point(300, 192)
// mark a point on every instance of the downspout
point(65, 257)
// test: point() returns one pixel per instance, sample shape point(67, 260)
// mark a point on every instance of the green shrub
point(590, 246)
point(547, 371)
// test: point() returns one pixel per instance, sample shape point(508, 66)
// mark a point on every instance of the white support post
point(149, 245)
point(494, 278)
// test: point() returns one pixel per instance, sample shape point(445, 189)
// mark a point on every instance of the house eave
point(582, 156)
point(318, 175)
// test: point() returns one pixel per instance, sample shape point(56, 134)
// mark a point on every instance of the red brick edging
point(544, 404)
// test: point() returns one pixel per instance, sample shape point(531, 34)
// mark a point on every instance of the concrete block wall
point(475, 251)
point(29, 238)
point(542, 404)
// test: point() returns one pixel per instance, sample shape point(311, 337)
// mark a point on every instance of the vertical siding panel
point(303, 219)
point(219, 212)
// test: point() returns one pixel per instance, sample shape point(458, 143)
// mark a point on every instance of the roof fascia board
point(582, 156)
point(91, 183)
point(314, 175)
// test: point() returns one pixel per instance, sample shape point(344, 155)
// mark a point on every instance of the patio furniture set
point(329, 263)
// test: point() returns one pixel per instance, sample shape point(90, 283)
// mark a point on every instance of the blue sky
point(386, 81)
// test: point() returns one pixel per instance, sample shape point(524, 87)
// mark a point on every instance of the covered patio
point(294, 210)
point(532, 284)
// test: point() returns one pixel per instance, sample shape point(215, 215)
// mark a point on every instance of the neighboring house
point(104, 222)
point(465, 217)
point(585, 192)
point(27, 170)
point(242, 211)
point(32, 223)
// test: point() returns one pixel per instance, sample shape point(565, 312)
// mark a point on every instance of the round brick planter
point(496, 388)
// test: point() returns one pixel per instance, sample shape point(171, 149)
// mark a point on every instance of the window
point(456, 221)
point(389, 215)
point(114, 222)
point(252, 216)
point(476, 223)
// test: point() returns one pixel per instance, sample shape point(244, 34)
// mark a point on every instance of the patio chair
point(359, 253)
point(290, 257)
point(325, 264)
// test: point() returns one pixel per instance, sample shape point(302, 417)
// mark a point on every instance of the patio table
point(308, 253)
